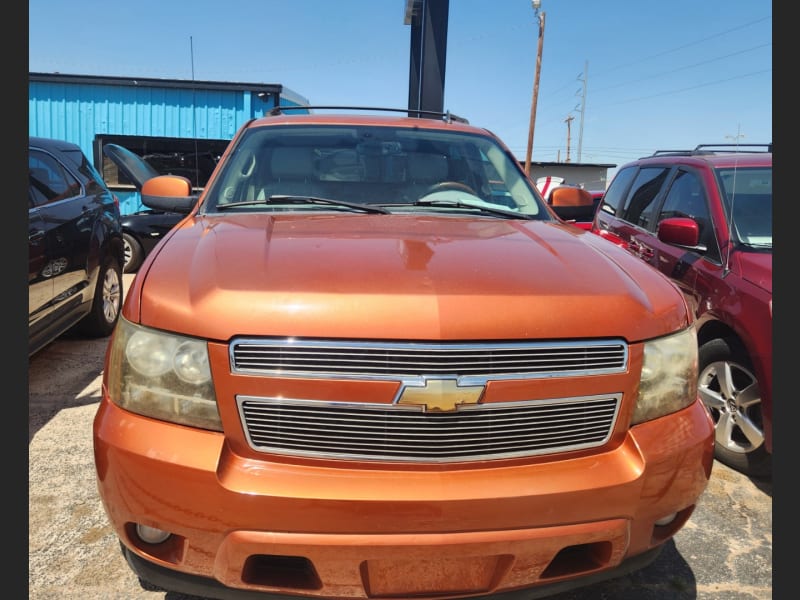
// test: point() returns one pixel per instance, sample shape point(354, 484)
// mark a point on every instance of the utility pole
point(540, 18)
point(568, 121)
point(585, 78)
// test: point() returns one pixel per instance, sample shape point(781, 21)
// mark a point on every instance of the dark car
point(704, 218)
point(75, 249)
point(141, 231)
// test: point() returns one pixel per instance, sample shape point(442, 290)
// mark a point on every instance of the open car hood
point(135, 168)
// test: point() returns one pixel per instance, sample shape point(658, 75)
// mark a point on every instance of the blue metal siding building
point(84, 108)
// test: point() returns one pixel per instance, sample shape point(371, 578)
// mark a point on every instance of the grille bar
point(388, 432)
point(292, 357)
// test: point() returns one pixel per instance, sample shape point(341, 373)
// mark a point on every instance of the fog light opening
point(272, 570)
point(581, 558)
point(151, 535)
point(666, 520)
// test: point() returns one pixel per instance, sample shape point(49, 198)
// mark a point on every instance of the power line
point(694, 87)
point(683, 68)
point(687, 45)
point(555, 92)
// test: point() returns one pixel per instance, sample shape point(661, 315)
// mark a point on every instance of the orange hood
point(404, 277)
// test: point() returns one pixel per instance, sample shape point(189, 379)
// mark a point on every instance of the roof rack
point(737, 147)
point(702, 149)
point(447, 116)
point(675, 153)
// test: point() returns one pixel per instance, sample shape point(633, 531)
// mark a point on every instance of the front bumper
point(184, 583)
point(361, 531)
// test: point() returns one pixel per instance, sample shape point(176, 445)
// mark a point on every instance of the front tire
point(134, 253)
point(106, 303)
point(730, 391)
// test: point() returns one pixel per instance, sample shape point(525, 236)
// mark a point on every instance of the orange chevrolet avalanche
point(370, 362)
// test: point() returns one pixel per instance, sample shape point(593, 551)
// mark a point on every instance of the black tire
point(729, 389)
point(134, 253)
point(106, 303)
point(146, 585)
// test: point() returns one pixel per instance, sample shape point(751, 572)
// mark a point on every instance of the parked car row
point(354, 317)
point(742, 409)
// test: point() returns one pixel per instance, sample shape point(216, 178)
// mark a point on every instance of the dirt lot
point(723, 553)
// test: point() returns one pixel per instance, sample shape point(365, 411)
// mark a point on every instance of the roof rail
point(702, 149)
point(736, 147)
point(671, 153)
point(447, 116)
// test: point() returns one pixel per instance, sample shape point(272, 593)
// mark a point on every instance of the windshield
point(389, 167)
point(748, 204)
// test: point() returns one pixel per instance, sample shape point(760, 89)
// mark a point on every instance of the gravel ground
point(723, 553)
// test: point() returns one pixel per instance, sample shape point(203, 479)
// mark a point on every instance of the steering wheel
point(450, 185)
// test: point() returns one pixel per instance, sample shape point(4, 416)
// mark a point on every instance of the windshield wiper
point(481, 206)
point(287, 199)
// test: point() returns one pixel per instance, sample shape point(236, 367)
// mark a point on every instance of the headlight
point(669, 376)
point(162, 375)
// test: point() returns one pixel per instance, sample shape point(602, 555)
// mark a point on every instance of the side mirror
point(680, 231)
point(572, 203)
point(171, 193)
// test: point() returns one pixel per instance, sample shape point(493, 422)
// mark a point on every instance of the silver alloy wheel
point(731, 393)
point(128, 251)
point(112, 295)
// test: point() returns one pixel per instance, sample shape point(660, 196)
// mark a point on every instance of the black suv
point(75, 250)
point(703, 217)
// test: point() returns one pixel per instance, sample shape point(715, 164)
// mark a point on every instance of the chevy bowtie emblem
point(440, 395)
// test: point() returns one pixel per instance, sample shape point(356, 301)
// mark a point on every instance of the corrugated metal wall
point(78, 110)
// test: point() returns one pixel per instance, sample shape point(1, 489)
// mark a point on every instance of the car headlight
point(163, 376)
point(669, 376)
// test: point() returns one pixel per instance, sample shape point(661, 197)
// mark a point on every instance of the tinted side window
point(91, 178)
point(614, 195)
point(640, 206)
point(49, 180)
point(686, 198)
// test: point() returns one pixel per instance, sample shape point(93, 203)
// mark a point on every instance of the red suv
point(704, 218)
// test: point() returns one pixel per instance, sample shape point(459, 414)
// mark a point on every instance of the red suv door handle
point(640, 250)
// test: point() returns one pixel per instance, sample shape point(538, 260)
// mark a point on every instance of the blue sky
point(658, 75)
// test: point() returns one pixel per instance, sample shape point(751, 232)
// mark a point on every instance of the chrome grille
point(408, 434)
point(371, 360)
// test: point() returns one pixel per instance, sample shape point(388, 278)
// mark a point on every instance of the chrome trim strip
point(413, 362)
